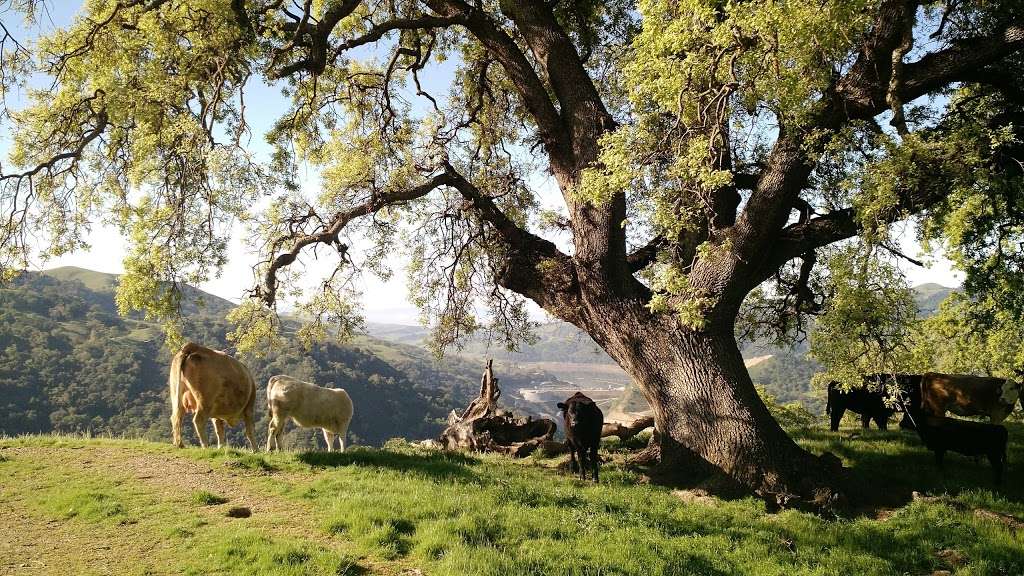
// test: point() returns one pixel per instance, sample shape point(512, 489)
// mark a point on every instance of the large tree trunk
point(709, 415)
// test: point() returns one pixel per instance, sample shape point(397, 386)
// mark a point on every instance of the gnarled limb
point(483, 427)
point(627, 431)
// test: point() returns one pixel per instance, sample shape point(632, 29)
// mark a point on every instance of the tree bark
point(709, 416)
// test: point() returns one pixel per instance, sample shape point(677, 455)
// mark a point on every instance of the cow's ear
point(561, 406)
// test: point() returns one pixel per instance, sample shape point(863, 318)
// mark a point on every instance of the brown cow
point(215, 386)
point(968, 395)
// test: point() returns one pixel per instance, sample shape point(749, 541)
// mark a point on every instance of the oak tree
point(638, 169)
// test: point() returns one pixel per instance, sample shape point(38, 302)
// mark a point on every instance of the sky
point(383, 301)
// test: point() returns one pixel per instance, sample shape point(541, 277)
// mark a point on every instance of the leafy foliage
point(868, 322)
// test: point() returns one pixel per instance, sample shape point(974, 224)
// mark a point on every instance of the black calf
point(941, 435)
point(583, 423)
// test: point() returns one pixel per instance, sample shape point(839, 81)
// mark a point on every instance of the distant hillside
point(566, 351)
point(69, 363)
point(556, 342)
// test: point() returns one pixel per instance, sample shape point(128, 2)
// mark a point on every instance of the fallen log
point(483, 427)
point(625, 432)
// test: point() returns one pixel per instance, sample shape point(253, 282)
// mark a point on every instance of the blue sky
point(382, 301)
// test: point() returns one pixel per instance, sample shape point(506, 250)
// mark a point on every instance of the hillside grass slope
point(74, 505)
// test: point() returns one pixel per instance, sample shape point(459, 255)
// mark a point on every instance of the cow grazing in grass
point(871, 400)
point(310, 406)
point(583, 424)
point(214, 386)
point(968, 395)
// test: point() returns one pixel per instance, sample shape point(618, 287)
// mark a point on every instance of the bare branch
point(329, 235)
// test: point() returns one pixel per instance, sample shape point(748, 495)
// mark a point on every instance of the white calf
point(310, 406)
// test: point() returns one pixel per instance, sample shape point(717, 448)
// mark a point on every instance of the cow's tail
point(250, 406)
point(178, 389)
point(177, 369)
point(828, 398)
point(174, 383)
point(270, 389)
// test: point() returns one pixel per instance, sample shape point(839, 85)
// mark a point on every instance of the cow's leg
point(995, 458)
point(882, 421)
point(583, 463)
point(274, 433)
point(341, 437)
point(218, 428)
point(199, 420)
point(270, 435)
point(572, 459)
point(250, 431)
point(176, 418)
point(329, 438)
point(594, 459)
point(837, 417)
point(865, 420)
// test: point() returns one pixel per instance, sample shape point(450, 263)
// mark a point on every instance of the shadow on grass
point(434, 465)
point(886, 468)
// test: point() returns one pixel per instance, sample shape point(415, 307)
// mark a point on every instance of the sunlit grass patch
point(452, 514)
point(94, 505)
point(206, 498)
point(245, 551)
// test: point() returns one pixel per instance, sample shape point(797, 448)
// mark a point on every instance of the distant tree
point(704, 150)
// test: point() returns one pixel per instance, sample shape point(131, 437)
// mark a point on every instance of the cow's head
point(571, 408)
point(1010, 391)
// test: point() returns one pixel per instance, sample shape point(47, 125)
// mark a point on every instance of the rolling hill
point(570, 354)
point(69, 363)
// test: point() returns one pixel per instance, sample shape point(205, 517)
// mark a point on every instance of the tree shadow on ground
point(886, 468)
point(441, 466)
point(883, 470)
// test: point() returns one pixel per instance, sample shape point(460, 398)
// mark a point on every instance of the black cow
point(941, 434)
point(583, 423)
point(869, 400)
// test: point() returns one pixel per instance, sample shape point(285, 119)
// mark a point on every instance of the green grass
point(107, 509)
point(206, 498)
point(455, 514)
point(452, 514)
point(247, 552)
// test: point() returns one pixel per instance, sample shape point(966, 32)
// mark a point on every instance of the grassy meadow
point(407, 510)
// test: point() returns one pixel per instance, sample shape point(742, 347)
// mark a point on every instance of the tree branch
point(645, 255)
point(329, 235)
point(533, 266)
point(599, 237)
point(521, 73)
point(316, 61)
point(958, 63)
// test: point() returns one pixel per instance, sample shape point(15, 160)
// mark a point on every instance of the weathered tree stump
point(483, 427)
